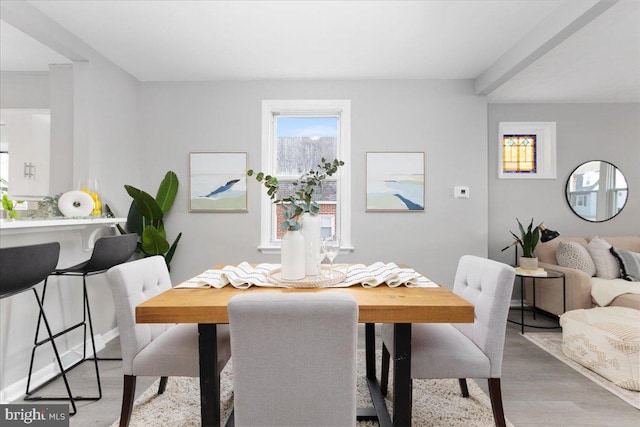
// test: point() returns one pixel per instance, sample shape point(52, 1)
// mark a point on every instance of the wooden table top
point(381, 304)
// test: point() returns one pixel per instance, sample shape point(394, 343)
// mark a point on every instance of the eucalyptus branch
point(305, 189)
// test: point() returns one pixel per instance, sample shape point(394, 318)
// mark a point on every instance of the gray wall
point(442, 118)
point(22, 89)
point(106, 146)
point(584, 132)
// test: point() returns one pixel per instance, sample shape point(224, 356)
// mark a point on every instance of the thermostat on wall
point(461, 192)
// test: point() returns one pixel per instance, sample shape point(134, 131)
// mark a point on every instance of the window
point(527, 150)
point(519, 153)
point(296, 135)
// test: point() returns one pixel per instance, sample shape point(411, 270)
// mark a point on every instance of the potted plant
point(300, 208)
point(145, 218)
point(528, 240)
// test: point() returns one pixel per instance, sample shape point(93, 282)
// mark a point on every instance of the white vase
point(292, 255)
point(311, 232)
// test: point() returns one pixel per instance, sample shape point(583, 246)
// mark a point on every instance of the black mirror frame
point(566, 193)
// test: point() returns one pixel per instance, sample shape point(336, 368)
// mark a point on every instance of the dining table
point(399, 305)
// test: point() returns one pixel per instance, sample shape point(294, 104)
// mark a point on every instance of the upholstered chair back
point(131, 284)
point(488, 285)
point(294, 358)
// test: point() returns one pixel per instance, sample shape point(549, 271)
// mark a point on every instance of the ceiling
point(516, 51)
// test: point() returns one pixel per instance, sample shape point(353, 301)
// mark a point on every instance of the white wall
point(585, 132)
point(442, 118)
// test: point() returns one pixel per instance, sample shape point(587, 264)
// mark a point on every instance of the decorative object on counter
point(75, 204)
point(7, 205)
point(146, 215)
point(301, 202)
point(92, 188)
point(47, 208)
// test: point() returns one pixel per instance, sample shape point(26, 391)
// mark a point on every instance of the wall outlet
point(461, 192)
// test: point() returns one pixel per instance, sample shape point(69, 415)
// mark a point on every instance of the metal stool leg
point(55, 350)
point(86, 315)
point(93, 342)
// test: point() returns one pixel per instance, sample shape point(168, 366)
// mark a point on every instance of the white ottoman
point(605, 340)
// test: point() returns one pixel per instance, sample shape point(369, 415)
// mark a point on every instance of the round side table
point(535, 276)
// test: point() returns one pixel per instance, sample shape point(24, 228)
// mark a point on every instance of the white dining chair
point(162, 350)
point(294, 359)
point(464, 350)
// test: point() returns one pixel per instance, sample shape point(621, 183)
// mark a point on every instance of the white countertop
point(57, 222)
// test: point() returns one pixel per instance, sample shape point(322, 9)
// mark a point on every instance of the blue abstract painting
point(218, 182)
point(395, 181)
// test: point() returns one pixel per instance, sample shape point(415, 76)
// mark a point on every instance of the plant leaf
point(167, 191)
point(134, 220)
point(169, 256)
point(147, 205)
point(153, 243)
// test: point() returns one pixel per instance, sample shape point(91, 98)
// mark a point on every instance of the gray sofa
point(578, 283)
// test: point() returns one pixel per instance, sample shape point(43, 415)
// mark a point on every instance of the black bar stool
point(21, 269)
point(107, 252)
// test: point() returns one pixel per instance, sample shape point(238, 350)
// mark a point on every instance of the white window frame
point(341, 107)
point(545, 133)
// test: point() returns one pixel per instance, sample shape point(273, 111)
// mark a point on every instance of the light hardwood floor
point(538, 390)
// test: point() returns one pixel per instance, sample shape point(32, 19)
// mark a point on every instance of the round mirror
point(596, 191)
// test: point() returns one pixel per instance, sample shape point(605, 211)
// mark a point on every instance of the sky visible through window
point(307, 126)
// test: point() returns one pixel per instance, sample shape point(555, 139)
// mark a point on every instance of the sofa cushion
point(607, 266)
point(629, 263)
point(546, 251)
point(574, 255)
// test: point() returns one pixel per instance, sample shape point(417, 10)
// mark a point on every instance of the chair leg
point(463, 387)
point(496, 402)
point(384, 371)
point(128, 395)
point(163, 385)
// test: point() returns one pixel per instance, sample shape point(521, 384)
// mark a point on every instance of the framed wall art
point(217, 182)
point(395, 181)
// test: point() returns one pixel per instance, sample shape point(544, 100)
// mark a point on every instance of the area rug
point(552, 344)
point(435, 402)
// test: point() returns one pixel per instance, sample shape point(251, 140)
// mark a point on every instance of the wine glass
point(331, 248)
point(320, 255)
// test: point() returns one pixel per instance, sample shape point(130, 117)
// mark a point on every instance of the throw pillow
point(607, 266)
point(629, 264)
point(574, 255)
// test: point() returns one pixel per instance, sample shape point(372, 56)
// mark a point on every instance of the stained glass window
point(519, 154)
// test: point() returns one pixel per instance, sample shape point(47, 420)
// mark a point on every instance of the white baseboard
point(17, 389)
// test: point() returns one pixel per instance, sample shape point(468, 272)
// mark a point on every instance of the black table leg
point(209, 376)
point(379, 411)
point(402, 398)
